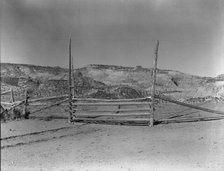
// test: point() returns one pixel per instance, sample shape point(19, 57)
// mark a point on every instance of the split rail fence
point(118, 111)
point(121, 111)
point(109, 111)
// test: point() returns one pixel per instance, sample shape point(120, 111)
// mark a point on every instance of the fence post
point(151, 124)
point(70, 82)
point(25, 111)
point(73, 79)
point(12, 96)
point(4, 114)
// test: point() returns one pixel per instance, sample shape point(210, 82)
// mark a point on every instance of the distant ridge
point(30, 65)
point(50, 80)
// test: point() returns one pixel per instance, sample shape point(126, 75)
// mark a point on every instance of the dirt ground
point(180, 146)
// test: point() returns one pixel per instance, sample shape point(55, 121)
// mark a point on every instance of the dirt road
point(186, 146)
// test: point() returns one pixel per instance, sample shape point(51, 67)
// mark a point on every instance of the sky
point(115, 32)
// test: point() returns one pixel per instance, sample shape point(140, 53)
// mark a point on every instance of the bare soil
point(181, 146)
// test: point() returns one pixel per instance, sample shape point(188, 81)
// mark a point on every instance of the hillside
point(107, 81)
point(167, 80)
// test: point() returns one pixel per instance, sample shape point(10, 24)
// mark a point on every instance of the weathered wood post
point(151, 124)
point(4, 114)
point(12, 96)
point(73, 89)
point(73, 78)
point(25, 111)
point(70, 81)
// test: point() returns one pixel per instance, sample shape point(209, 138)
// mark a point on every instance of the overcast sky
point(118, 32)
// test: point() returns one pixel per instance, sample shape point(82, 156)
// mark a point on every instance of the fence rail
point(110, 103)
point(110, 110)
point(112, 115)
point(136, 110)
point(6, 92)
point(112, 100)
point(113, 110)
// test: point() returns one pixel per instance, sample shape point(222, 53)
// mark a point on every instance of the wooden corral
point(132, 111)
point(111, 110)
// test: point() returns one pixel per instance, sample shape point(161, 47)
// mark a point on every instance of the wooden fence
point(6, 107)
point(111, 110)
point(136, 111)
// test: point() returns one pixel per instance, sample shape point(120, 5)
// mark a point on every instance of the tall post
point(12, 96)
point(73, 78)
point(151, 124)
point(70, 81)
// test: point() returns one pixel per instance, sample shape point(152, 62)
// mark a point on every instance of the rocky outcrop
point(107, 81)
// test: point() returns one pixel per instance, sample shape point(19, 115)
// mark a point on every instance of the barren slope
point(53, 80)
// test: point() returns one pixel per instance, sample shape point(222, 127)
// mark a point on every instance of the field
point(80, 146)
point(47, 142)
